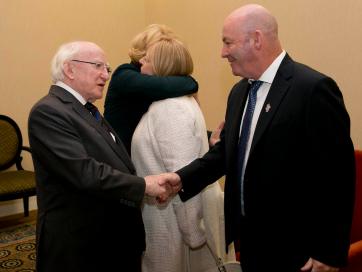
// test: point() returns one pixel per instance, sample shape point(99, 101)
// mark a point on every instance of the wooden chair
point(14, 184)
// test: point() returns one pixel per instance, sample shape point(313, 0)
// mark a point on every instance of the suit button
point(133, 205)
point(121, 201)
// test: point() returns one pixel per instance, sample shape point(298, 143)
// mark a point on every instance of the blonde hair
point(169, 56)
point(140, 43)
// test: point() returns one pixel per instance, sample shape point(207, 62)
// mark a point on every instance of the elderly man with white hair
point(88, 194)
point(287, 154)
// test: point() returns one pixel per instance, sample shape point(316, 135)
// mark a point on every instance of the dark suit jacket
point(299, 179)
point(88, 195)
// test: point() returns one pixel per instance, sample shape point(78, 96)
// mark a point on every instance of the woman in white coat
point(169, 136)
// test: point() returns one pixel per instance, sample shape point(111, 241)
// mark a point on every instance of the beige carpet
point(17, 248)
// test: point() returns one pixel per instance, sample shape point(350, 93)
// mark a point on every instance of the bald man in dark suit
point(287, 154)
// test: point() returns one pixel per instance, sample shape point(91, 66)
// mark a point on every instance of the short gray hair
point(65, 53)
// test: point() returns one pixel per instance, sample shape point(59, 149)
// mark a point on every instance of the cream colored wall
point(322, 34)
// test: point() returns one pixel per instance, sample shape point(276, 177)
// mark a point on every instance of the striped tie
point(95, 112)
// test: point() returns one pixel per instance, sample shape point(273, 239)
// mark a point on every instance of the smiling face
point(84, 77)
point(237, 48)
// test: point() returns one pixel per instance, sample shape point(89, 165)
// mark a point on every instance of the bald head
point(87, 48)
point(250, 37)
point(254, 17)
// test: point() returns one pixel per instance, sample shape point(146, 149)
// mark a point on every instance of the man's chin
point(234, 69)
point(95, 98)
point(235, 72)
point(99, 94)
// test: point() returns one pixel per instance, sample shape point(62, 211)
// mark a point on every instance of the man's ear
point(68, 70)
point(257, 36)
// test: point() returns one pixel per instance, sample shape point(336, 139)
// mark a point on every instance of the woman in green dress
point(130, 93)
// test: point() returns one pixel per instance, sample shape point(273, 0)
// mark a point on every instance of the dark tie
point(95, 112)
point(243, 143)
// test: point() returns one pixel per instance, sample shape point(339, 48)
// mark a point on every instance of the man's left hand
point(318, 267)
point(215, 135)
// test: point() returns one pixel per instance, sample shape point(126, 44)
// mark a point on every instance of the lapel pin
point(267, 108)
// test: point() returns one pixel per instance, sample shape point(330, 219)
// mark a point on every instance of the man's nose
point(224, 52)
point(105, 74)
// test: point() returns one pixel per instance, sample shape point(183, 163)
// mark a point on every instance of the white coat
point(169, 136)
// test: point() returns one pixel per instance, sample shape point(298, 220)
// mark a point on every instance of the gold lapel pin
point(267, 108)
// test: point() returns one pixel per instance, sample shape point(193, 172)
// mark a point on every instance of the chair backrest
point(11, 142)
point(356, 232)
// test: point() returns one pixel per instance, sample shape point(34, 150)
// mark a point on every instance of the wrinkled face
point(237, 49)
point(88, 80)
point(146, 67)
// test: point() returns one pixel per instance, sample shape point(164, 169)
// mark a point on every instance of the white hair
point(65, 53)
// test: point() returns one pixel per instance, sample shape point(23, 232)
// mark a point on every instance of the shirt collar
point(73, 92)
point(269, 74)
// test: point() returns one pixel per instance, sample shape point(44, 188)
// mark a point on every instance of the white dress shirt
point(73, 92)
point(267, 77)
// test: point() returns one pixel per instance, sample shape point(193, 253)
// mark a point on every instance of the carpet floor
point(17, 248)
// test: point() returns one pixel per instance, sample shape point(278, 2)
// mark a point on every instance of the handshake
point(163, 186)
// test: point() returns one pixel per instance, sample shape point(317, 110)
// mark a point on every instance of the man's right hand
point(174, 184)
point(153, 188)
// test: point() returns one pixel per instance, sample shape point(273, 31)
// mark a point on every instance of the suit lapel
point(121, 150)
point(239, 101)
point(275, 96)
point(87, 116)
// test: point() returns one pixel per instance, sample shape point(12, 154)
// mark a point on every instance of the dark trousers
point(263, 253)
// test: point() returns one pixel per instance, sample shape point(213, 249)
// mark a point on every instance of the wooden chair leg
point(26, 206)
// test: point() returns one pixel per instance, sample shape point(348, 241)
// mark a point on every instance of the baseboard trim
point(19, 218)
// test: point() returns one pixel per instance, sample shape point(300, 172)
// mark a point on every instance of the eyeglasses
point(99, 66)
